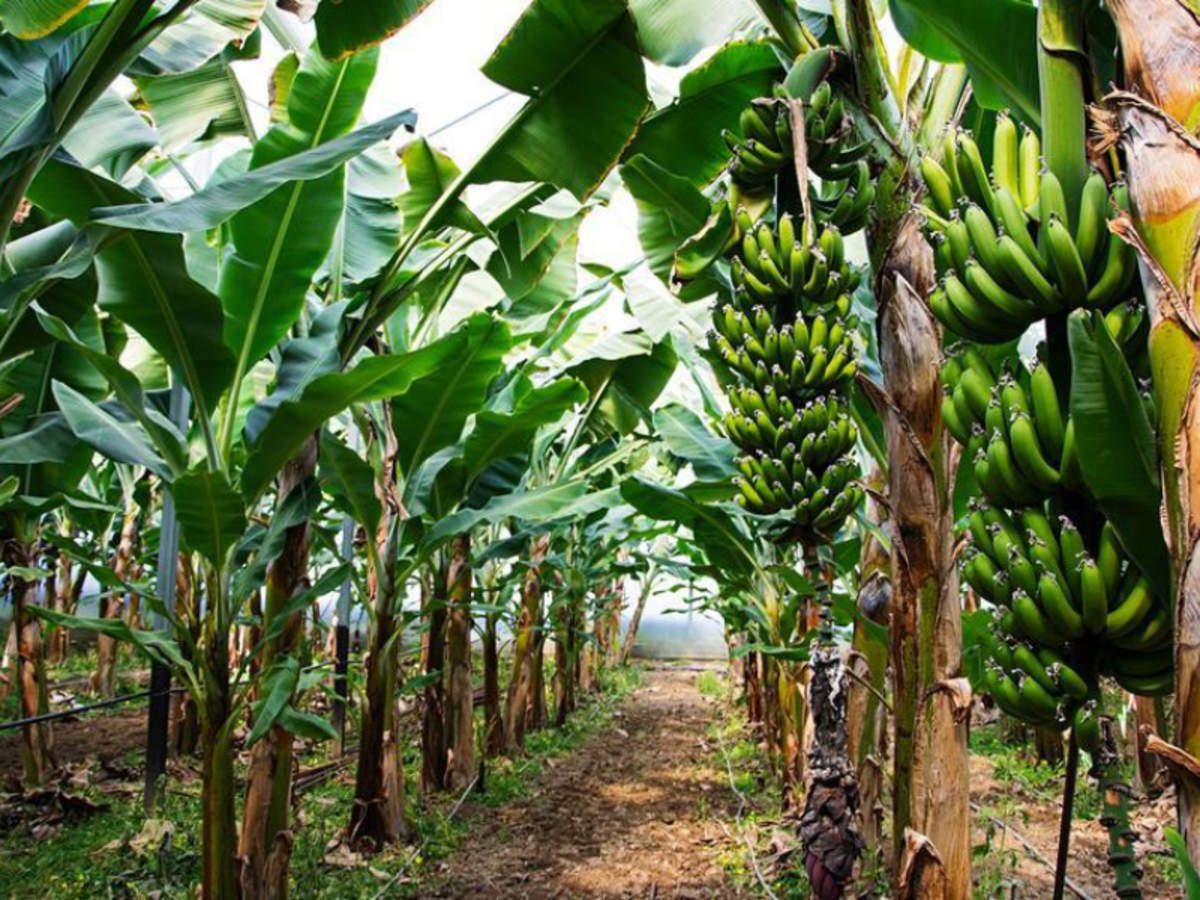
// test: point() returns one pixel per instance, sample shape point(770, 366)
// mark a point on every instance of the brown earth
point(1037, 822)
point(635, 812)
point(105, 737)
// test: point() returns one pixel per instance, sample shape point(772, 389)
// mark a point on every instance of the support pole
point(341, 689)
point(159, 709)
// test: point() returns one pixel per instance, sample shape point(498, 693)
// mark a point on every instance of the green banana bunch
point(1013, 428)
point(1006, 249)
point(792, 363)
point(765, 144)
point(1057, 591)
point(813, 497)
point(1034, 684)
point(846, 204)
point(786, 264)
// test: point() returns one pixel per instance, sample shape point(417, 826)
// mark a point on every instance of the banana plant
point(62, 59)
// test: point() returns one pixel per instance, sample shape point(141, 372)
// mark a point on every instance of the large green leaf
point(281, 240)
point(120, 439)
point(723, 542)
point(169, 443)
point(504, 429)
point(354, 479)
point(210, 512)
point(344, 26)
point(685, 137)
point(221, 200)
point(206, 29)
point(685, 436)
point(670, 210)
point(112, 134)
point(374, 378)
point(276, 689)
point(997, 39)
point(199, 104)
point(300, 361)
point(545, 504)
point(671, 32)
point(535, 262)
point(432, 414)
point(29, 19)
point(628, 371)
point(1117, 451)
point(580, 66)
point(152, 643)
point(429, 173)
point(144, 282)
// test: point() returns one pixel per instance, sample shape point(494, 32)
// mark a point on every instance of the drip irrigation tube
point(76, 710)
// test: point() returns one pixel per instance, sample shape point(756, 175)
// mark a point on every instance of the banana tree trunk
point(104, 679)
point(377, 815)
point(520, 686)
point(433, 717)
point(493, 716)
point(753, 687)
point(185, 714)
point(564, 681)
point(219, 863)
point(60, 638)
point(265, 846)
point(635, 621)
point(537, 714)
point(866, 717)
point(1157, 122)
point(37, 740)
point(930, 794)
point(460, 708)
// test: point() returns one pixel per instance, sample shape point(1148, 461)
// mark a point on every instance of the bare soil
point(105, 737)
point(1038, 822)
point(634, 812)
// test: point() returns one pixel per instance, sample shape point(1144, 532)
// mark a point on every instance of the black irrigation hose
point(74, 711)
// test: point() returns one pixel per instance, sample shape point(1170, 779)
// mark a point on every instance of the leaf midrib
point(272, 262)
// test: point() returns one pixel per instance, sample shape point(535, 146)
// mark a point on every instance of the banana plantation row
point(905, 379)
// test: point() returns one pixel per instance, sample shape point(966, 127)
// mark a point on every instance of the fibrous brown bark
point(930, 792)
point(104, 679)
point(521, 684)
point(433, 713)
point(493, 716)
point(460, 719)
point(635, 621)
point(185, 715)
point(1157, 123)
point(37, 740)
point(377, 816)
point(60, 638)
point(827, 827)
point(866, 715)
point(265, 844)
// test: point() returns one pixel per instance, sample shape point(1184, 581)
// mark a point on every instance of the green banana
point(1131, 610)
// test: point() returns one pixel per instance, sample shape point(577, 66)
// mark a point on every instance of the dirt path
point(634, 812)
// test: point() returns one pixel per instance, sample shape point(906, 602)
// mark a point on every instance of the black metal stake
point(159, 710)
point(341, 688)
point(1064, 826)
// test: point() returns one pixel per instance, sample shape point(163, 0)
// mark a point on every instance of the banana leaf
point(1116, 444)
point(581, 69)
point(685, 137)
point(996, 39)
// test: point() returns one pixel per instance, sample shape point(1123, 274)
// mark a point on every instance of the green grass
point(92, 857)
point(710, 684)
point(736, 751)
